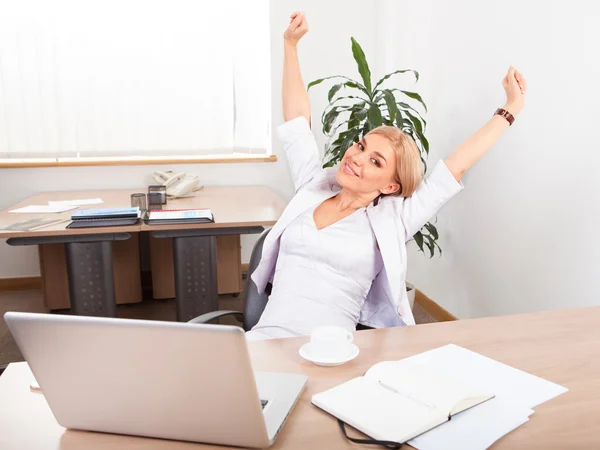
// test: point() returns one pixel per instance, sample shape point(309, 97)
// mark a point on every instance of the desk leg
point(91, 282)
point(195, 261)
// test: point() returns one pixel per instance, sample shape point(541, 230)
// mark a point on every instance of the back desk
point(235, 208)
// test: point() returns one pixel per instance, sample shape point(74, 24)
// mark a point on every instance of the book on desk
point(473, 399)
point(399, 403)
point(179, 216)
point(104, 217)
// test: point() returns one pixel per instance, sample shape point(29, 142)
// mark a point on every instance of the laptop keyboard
point(263, 403)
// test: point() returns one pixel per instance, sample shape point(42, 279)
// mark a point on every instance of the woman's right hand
point(298, 27)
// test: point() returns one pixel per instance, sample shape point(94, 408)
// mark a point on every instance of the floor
point(31, 301)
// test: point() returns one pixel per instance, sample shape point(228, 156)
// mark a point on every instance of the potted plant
point(356, 107)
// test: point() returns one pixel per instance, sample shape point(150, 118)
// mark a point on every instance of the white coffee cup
point(330, 342)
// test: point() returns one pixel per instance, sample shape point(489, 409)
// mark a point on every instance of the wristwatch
point(504, 113)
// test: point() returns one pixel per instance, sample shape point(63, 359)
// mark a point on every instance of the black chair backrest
point(255, 303)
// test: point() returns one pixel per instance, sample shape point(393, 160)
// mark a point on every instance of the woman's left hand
point(515, 86)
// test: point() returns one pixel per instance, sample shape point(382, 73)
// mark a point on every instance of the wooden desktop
point(560, 346)
point(234, 207)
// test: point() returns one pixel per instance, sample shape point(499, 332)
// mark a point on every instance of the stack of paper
point(516, 392)
point(31, 224)
point(42, 209)
point(180, 216)
point(86, 201)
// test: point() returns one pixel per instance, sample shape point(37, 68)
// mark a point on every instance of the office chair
point(255, 303)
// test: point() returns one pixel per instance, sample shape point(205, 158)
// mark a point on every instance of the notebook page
point(427, 385)
point(377, 411)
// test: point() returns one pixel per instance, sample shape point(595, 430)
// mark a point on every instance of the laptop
point(165, 380)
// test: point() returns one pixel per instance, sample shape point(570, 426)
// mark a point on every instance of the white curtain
point(134, 77)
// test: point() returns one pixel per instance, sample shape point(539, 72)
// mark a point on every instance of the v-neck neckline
point(314, 223)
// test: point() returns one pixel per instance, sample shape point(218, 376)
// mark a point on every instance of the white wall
point(324, 51)
point(523, 234)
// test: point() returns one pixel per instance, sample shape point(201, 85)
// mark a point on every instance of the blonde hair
point(409, 168)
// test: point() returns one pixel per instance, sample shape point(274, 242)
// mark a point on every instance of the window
point(134, 79)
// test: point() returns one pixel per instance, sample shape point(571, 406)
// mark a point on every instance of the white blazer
point(394, 221)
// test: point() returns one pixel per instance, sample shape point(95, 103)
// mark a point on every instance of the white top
point(394, 221)
point(322, 277)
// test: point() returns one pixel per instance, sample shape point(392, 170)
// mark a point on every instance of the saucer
point(352, 353)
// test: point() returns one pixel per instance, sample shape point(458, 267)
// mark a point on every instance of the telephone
point(178, 184)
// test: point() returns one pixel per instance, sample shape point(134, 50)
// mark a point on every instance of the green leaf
point(411, 131)
point(329, 119)
point(335, 151)
point(320, 80)
point(424, 141)
point(340, 138)
point(419, 240)
point(407, 106)
point(350, 83)
point(431, 248)
point(390, 101)
point(336, 111)
point(363, 66)
point(346, 98)
point(400, 120)
point(333, 90)
point(416, 97)
point(416, 122)
point(349, 139)
point(354, 121)
point(432, 229)
point(394, 73)
point(416, 134)
point(361, 114)
point(431, 244)
point(341, 124)
point(374, 116)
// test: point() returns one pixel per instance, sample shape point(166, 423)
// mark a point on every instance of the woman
point(337, 255)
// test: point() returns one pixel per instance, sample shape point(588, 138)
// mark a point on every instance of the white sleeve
point(433, 193)
point(300, 149)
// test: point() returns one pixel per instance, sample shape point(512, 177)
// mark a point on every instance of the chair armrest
point(207, 317)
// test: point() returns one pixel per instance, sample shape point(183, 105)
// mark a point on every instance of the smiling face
point(369, 167)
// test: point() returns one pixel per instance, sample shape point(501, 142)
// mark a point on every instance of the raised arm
point(294, 96)
point(443, 182)
point(467, 153)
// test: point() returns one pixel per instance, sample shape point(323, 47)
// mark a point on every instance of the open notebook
point(396, 402)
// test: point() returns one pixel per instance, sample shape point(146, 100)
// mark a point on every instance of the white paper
point(516, 392)
point(42, 209)
point(505, 382)
point(474, 429)
point(86, 201)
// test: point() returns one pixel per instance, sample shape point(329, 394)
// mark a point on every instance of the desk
point(96, 259)
point(237, 210)
point(113, 251)
point(561, 346)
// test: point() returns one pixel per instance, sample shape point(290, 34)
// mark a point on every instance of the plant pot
point(410, 292)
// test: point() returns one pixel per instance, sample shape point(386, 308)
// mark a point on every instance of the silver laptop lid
point(146, 378)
